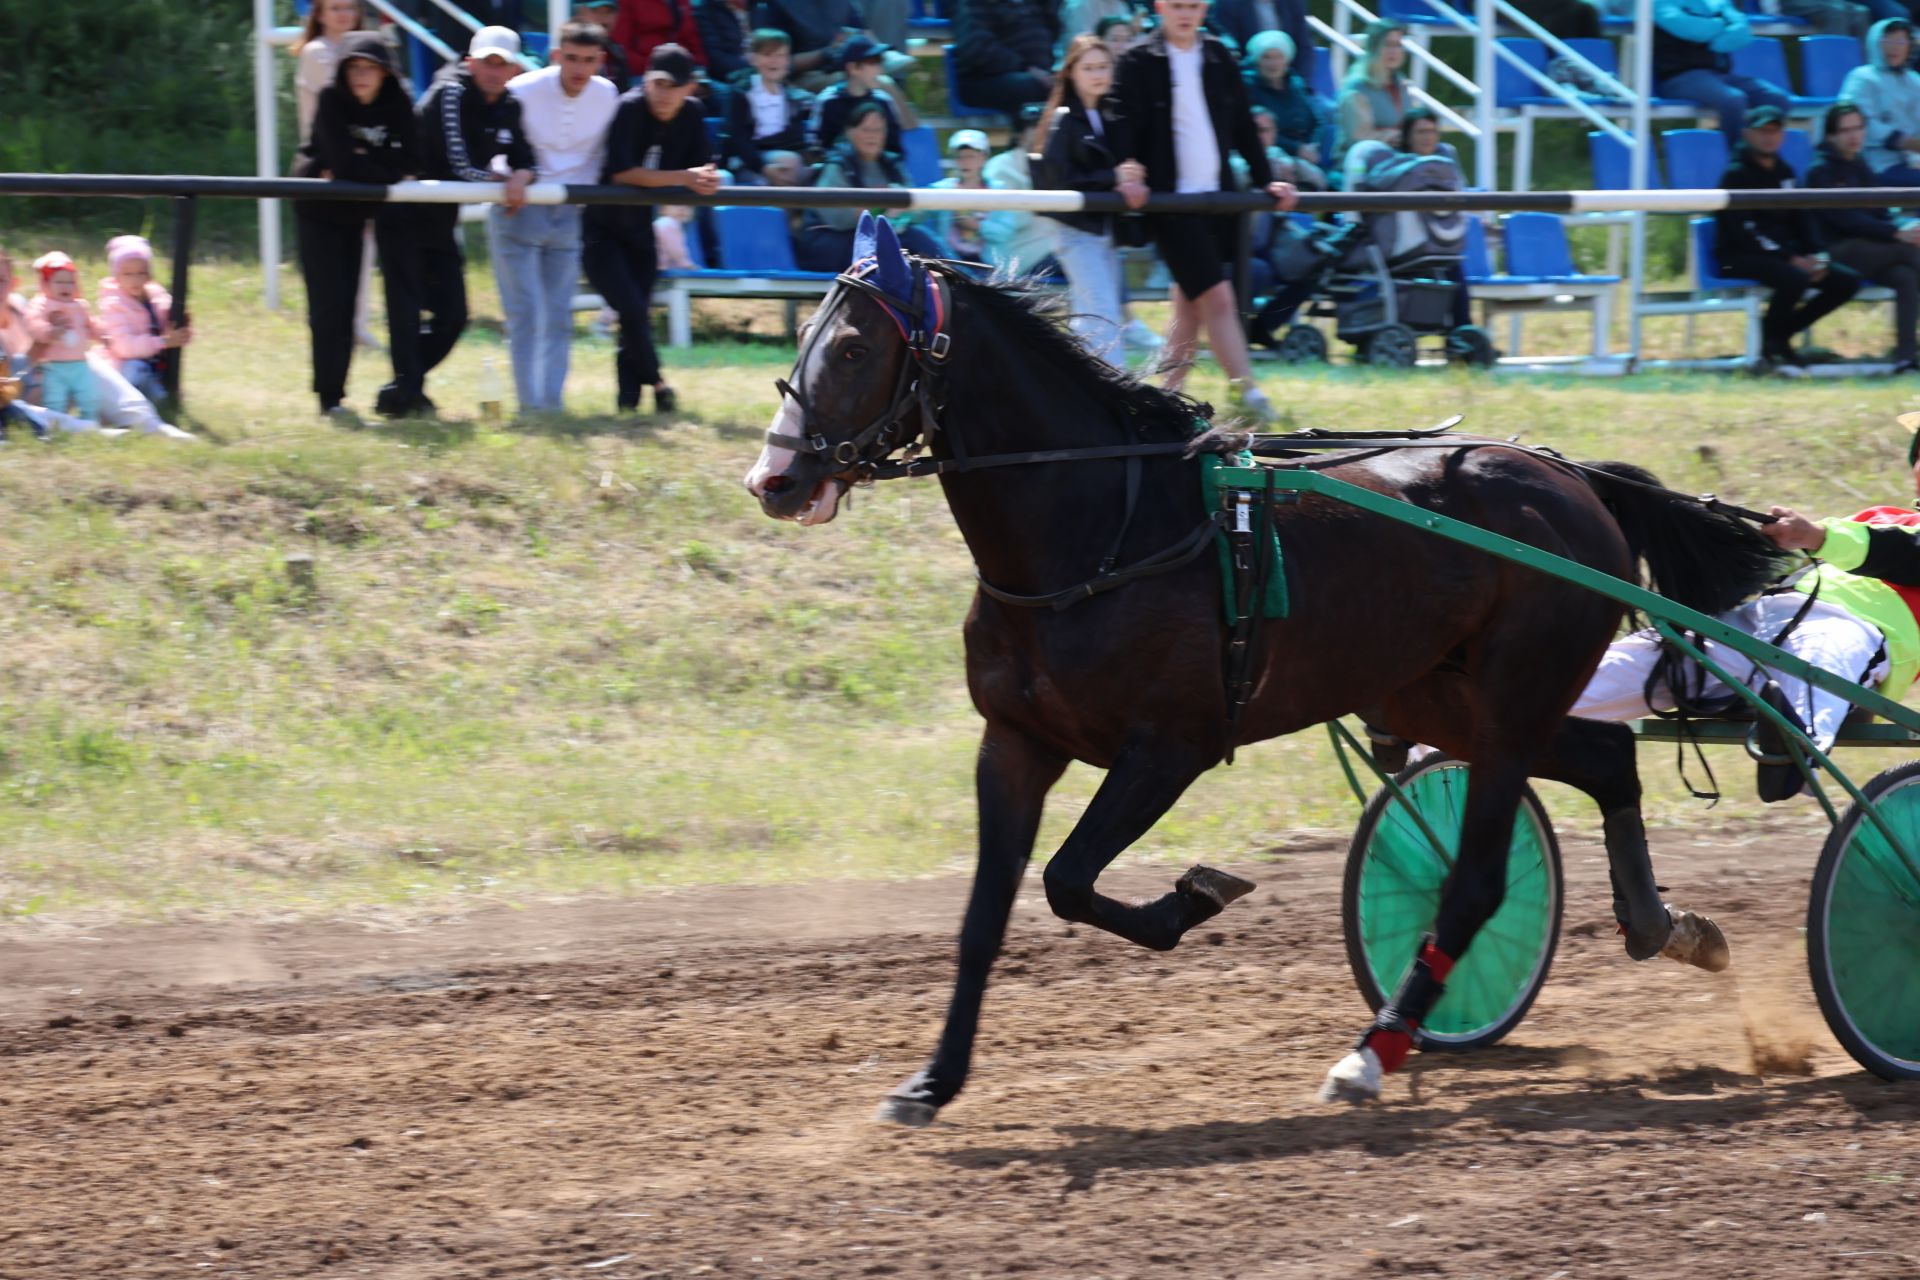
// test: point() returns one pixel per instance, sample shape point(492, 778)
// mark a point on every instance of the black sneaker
point(1776, 782)
point(664, 400)
point(1782, 356)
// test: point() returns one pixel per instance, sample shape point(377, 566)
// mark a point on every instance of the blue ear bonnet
point(903, 288)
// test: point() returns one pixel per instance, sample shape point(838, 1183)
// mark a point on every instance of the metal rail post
point(184, 209)
point(266, 147)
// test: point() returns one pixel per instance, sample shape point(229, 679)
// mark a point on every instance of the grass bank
point(570, 656)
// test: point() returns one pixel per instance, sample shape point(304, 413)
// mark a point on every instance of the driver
point(1854, 614)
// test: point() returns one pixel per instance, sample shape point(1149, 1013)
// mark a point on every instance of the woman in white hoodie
point(1886, 88)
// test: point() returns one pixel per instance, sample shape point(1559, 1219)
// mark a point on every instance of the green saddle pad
point(1214, 494)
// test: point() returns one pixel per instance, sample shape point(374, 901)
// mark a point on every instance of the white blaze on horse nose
point(774, 460)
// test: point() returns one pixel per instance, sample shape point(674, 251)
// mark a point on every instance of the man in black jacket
point(1777, 246)
point(1003, 52)
point(1869, 241)
point(1181, 93)
point(469, 128)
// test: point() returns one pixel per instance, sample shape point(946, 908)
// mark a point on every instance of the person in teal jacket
point(1855, 613)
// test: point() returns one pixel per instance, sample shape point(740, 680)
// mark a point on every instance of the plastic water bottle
point(489, 391)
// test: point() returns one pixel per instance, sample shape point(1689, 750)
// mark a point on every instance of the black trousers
point(1895, 264)
point(425, 273)
point(620, 262)
point(330, 248)
point(1008, 92)
point(1787, 314)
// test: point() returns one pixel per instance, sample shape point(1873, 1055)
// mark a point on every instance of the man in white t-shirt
point(1184, 105)
point(565, 110)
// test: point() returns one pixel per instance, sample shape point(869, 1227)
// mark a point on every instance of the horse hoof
point(910, 1113)
point(1697, 940)
point(1217, 887)
point(1354, 1079)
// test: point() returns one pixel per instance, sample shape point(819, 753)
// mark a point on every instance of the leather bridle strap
point(1183, 552)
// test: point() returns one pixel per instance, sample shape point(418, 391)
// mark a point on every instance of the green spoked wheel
point(1392, 898)
point(1863, 930)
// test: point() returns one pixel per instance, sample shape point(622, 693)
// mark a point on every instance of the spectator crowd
point(1098, 95)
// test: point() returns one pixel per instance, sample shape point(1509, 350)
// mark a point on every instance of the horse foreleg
point(1012, 778)
point(1599, 759)
point(1472, 893)
point(1141, 786)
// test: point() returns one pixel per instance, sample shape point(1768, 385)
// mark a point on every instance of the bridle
point(921, 318)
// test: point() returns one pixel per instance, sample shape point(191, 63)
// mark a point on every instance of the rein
point(921, 317)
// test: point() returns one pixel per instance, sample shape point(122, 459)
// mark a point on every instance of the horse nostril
point(777, 484)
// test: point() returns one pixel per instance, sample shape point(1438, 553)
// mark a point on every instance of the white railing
point(1346, 44)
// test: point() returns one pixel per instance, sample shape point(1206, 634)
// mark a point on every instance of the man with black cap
point(658, 139)
point(1777, 247)
point(861, 57)
point(1862, 623)
point(470, 131)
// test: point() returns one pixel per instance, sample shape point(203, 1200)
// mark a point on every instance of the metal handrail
point(414, 29)
point(1414, 51)
point(472, 23)
point(1560, 91)
point(1347, 44)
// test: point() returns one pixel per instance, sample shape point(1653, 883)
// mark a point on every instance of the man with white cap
point(565, 110)
point(469, 131)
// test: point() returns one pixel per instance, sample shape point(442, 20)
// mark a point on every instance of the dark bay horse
point(1438, 643)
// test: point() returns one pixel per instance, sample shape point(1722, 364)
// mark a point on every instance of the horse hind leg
point(1137, 791)
point(1599, 760)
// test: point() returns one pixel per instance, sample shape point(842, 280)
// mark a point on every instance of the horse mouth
point(824, 503)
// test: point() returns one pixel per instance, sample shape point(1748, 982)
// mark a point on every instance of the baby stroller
point(1386, 280)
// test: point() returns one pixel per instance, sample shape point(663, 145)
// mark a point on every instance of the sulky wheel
point(1863, 929)
point(1392, 347)
point(1302, 344)
point(1391, 899)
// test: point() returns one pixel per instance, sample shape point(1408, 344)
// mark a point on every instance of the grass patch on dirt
point(570, 656)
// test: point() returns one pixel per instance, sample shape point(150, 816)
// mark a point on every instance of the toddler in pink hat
point(59, 317)
point(136, 320)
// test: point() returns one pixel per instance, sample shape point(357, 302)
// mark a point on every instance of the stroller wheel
point(1391, 347)
point(1470, 344)
point(1302, 344)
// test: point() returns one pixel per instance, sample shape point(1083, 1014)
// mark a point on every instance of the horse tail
point(1695, 556)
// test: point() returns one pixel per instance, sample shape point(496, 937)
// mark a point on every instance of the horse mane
point(1031, 316)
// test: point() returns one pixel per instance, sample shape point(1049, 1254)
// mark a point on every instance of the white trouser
point(1828, 637)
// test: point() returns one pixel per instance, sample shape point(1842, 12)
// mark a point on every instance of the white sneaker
point(1137, 337)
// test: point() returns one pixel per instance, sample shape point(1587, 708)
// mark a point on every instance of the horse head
point(852, 397)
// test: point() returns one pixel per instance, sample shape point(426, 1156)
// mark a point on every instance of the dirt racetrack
point(681, 1085)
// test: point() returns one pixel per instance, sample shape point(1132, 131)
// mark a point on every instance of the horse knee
point(1070, 896)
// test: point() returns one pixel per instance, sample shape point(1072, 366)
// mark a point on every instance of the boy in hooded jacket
point(1886, 88)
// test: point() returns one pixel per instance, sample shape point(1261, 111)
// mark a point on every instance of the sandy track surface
point(681, 1085)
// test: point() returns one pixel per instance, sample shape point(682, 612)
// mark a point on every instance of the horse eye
point(854, 352)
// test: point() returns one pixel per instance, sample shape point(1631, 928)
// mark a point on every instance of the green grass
point(571, 656)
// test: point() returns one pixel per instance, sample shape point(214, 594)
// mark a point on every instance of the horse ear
point(891, 272)
point(863, 236)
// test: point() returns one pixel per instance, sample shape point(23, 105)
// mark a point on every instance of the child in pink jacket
point(135, 318)
point(59, 317)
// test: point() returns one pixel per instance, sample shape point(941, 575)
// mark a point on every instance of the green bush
point(140, 86)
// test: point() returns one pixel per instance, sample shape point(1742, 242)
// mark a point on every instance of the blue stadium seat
point(955, 104)
point(1696, 158)
point(753, 238)
point(535, 45)
point(1537, 248)
point(922, 155)
point(1476, 263)
point(716, 128)
point(1613, 164)
point(1603, 54)
point(1825, 61)
point(1420, 13)
point(1796, 148)
point(1320, 73)
point(1706, 236)
point(1511, 87)
point(1765, 58)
